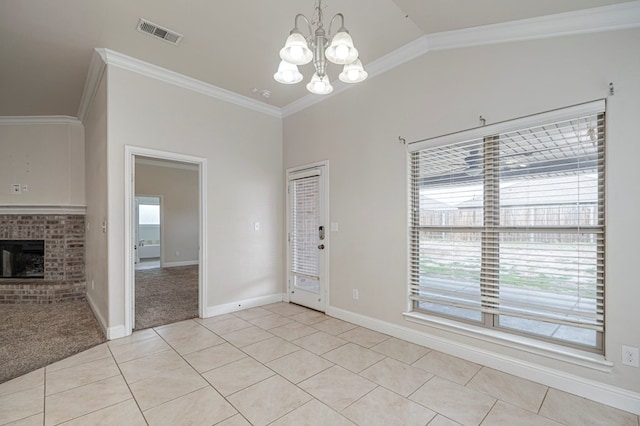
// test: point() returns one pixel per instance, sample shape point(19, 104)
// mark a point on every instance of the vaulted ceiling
point(47, 45)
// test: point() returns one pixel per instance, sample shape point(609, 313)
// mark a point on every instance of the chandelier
point(300, 50)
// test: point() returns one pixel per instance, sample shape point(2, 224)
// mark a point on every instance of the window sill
point(533, 346)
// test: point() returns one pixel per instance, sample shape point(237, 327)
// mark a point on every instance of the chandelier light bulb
point(295, 50)
point(341, 51)
point(287, 73)
point(319, 86)
point(353, 72)
point(352, 75)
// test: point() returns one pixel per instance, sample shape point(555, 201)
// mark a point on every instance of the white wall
point(48, 158)
point(180, 207)
point(96, 243)
point(243, 149)
point(446, 91)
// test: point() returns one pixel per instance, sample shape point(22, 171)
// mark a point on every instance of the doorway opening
point(164, 246)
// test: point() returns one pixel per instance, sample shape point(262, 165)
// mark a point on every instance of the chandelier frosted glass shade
point(295, 50)
point(287, 73)
point(319, 86)
point(353, 72)
point(341, 50)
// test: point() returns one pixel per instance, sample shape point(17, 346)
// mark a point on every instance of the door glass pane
point(307, 283)
point(305, 263)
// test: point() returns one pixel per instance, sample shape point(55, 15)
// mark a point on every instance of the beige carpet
point(166, 295)
point(35, 335)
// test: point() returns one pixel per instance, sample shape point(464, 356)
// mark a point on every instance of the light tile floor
point(282, 365)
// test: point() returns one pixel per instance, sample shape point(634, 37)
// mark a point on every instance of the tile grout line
point(44, 396)
point(546, 392)
point(489, 410)
point(129, 387)
point(474, 375)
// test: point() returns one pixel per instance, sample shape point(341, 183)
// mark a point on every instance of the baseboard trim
point(596, 391)
point(110, 333)
point(243, 304)
point(116, 332)
point(183, 263)
point(96, 313)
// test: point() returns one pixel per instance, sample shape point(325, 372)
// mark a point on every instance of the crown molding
point(606, 18)
point(94, 76)
point(120, 60)
point(40, 119)
point(598, 19)
point(386, 63)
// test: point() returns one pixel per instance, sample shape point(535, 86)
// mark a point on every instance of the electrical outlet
point(355, 294)
point(15, 188)
point(631, 356)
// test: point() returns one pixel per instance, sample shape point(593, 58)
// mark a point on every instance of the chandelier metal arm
point(295, 24)
point(342, 28)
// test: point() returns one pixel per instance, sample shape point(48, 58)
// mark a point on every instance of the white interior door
point(307, 238)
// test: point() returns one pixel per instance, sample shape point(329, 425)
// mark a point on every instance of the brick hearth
point(64, 277)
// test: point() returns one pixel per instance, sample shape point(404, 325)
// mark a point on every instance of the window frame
point(490, 321)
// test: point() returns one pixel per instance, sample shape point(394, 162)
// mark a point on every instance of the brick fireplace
point(64, 277)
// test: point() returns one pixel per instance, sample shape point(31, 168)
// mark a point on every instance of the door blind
point(509, 226)
point(305, 211)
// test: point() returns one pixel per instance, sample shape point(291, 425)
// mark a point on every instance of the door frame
point(323, 165)
point(130, 153)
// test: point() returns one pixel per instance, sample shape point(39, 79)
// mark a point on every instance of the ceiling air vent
point(155, 30)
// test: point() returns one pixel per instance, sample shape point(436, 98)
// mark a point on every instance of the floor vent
point(155, 30)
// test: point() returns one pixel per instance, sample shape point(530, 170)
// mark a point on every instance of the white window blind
point(305, 199)
point(507, 226)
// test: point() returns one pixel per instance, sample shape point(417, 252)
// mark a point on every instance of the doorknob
point(321, 246)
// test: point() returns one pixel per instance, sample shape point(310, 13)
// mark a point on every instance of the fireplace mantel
point(43, 209)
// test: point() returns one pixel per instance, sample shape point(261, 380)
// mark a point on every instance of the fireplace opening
point(22, 259)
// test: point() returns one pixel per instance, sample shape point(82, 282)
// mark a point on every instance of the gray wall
point(446, 91)
point(48, 158)
point(243, 149)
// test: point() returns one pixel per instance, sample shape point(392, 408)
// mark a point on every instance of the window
point(507, 226)
point(149, 214)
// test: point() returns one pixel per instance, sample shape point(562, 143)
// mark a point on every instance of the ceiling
point(47, 45)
